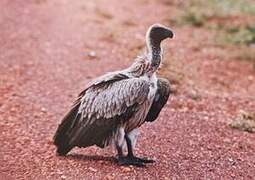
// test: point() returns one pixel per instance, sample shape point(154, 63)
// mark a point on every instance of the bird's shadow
point(82, 157)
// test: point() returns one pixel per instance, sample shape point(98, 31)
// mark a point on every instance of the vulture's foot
point(126, 160)
point(135, 161)
point(144, 159)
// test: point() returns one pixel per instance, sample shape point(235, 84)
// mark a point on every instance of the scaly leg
point(119, 142)
point(130, 159)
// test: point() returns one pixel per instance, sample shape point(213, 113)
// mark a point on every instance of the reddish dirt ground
point(45, 61)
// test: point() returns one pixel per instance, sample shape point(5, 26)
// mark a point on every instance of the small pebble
point(92, 54)
point(63, 177)
point(92, 169)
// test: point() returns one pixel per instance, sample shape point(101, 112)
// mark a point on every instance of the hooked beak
point(169, 33)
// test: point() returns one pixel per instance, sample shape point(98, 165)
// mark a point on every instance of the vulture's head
point(154, 36)
point(157, 33)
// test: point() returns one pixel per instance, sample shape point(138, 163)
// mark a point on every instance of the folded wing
point(100, 109)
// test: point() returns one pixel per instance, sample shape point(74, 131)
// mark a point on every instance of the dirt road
point(49, 50)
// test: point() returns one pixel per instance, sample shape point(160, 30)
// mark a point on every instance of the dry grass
point(244, 53)
point(103, 13)
point(245, 121)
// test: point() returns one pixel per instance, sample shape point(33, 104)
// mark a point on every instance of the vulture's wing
point(160, 99)
point(99, 110)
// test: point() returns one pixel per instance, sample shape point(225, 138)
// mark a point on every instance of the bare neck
point(154, 52)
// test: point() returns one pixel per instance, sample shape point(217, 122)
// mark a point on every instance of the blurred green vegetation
point(232, 20)
point(200, 10)
point(240, 35)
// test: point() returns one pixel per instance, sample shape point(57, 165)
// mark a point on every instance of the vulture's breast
point(139, 117)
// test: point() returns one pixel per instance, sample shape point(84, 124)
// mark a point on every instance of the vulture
point(112, 107)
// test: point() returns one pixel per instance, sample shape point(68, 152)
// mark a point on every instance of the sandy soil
point(51, 49)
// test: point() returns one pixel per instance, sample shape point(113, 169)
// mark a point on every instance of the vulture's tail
point(62, 135)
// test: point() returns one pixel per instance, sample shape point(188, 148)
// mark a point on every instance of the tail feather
point(61, 137)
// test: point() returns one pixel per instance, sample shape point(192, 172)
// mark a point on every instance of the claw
point(144, 160)
point(135, 161)
point(125, 160)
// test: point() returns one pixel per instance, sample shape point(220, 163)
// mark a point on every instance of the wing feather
point(109, 105)
point(102, 107)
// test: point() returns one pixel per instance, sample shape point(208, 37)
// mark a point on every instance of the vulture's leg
point(130, 159)
point(119, 142)
point(133, 135)
point(131, 155)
